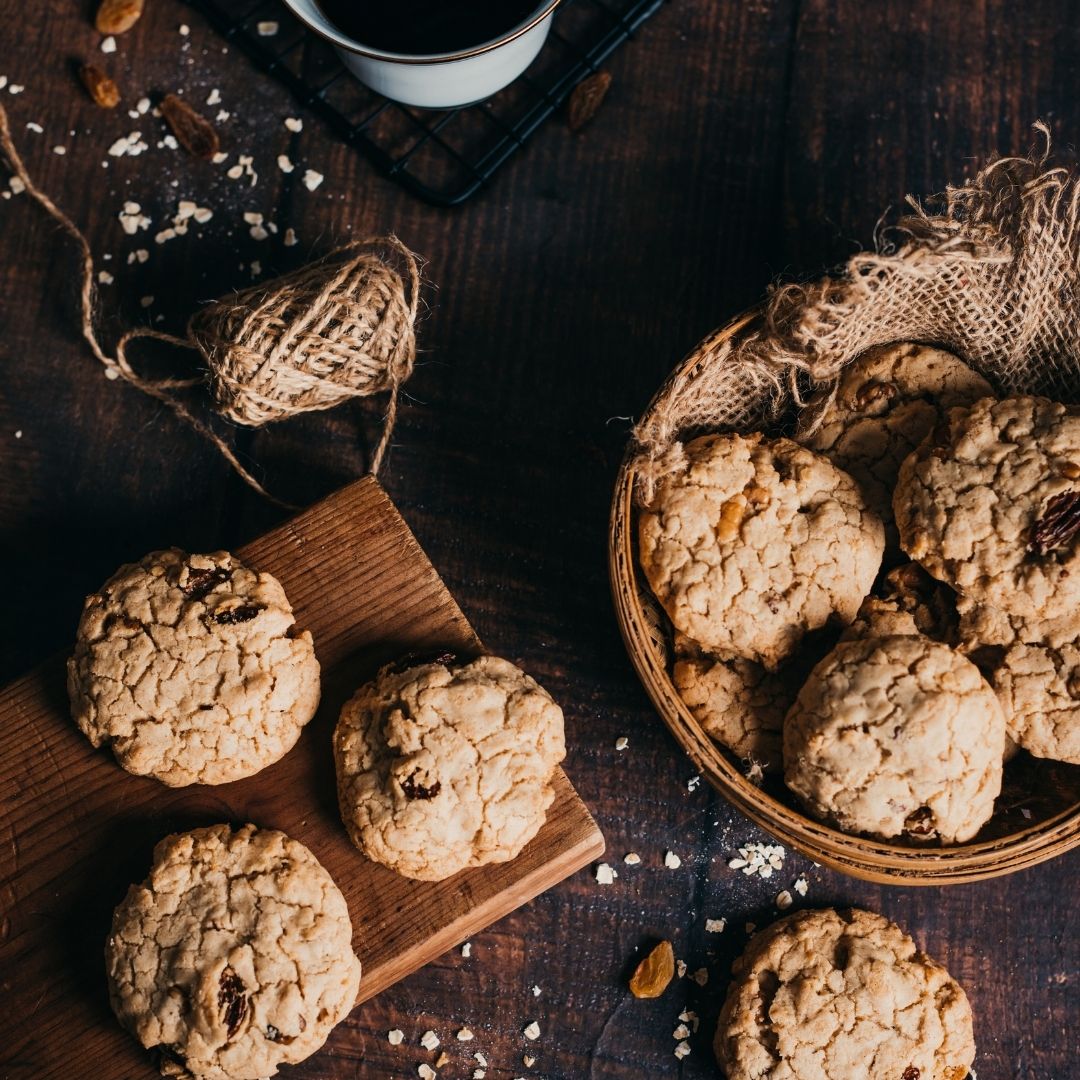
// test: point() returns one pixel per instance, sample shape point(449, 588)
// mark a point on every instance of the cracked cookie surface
point(896, 736)
point(885, 402)
point(234, 956)
point(447, 765)
point(191, 669)
point(840, 995)
point(990, 504)
point(1034, 666)
point(750, 544)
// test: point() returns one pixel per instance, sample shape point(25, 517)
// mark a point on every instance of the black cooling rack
point(442, 156)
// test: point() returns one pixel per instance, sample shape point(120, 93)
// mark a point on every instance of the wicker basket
point(1036, 818)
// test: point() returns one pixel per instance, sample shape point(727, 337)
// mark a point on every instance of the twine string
point(338, 328)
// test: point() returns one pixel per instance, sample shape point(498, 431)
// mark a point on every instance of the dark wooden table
point(740, 142)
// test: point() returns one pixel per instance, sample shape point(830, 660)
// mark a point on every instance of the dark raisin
point(231, 1001)
point(910, 1073)
point(1058, 525)
point(586, 99)
point(231, 616)
point(201, 582)
point(274, 1035)
point(413, 790)
point(416, 659)
point(193, 132)
point(874, 392)
point(920, 822)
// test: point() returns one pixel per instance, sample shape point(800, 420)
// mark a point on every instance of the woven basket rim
point(859, 856)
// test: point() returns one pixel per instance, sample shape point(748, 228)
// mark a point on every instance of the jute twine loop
point(993, 274)
point(341, 327)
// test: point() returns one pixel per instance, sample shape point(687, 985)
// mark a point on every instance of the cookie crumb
point(715, 926)
point(632, 858)
point(536, 991)
point(605, 875)
point(532, 1031)
point(478, 1074)
point(466, 949)
point(395, 1037)
point(528, 1061)
point(426, 1072)
point(312, 179)
point(800, 886)
point(681, 1032)
point(672, 861)
point(442, 1060)
point(682, 1050)
point(294, 123)
point(465, 1035)
point(429, 1040)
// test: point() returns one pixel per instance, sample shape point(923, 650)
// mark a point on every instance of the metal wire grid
point(441, 156)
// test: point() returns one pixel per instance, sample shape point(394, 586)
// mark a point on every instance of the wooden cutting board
point(76, 830)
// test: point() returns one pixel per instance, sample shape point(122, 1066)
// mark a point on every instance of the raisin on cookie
point(896, 736)
point(750, 544)
point(191, 668)
point(447, 765)
point(884, 403)
point(990, 504)
point(842, 995)
point(234, 956)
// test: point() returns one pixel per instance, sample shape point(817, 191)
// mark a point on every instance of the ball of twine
point(338, 328)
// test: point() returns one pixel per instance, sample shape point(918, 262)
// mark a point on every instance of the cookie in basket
point(885, 402)
point(896, 736)
point(990, 504)
point(234, 956)
point(1034, 666)
point(842, 994)
point(751, 543)
point(191, 668)
point(446, 765)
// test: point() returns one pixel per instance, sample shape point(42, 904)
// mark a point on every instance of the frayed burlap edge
point(992, 274)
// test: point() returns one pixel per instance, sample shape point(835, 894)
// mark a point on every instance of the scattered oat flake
point(219, 157)
point(715, 926)
point(442, 1060)
point(688, 1016)
point(478, 1074)
point(146, 301)
point(622, 742)
point(268, 28)
point(429, 1040)
point(532, 1031)
point(465, 1035)
point(1026, 812)
point(480, 1059)
point(801, 886)
point(783, 900)
point(105, 277)
point(284, 164)
point(528, 1061)
point(214, 97)
point(692, 783)
point(256, 268)
point(222, 115)
point(701, 976)
point(312, 179)
point(61, 150)
point(760, 859)
point(632, 858)
point(536, 991)
point(426, 1072)
point(395, 1037)
point(18, 434)
point(253, 218)
point(680, 968)
point(142, 106)
point(15, 88)
point(672, 861)
point(109, 45)
point(605, 875)
point(291, 241)
point(681, 1032)
point(184, 29)
point(294, 124)
point(16, 184)
point(36, 128)
point(682, 1050)
point(3, 81)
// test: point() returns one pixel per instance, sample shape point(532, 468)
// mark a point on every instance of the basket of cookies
point(845, 538)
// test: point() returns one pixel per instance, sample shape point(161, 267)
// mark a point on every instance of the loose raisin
point(653, 974)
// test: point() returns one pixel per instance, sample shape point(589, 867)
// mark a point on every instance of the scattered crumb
point(605, 875)
point(223, 115)
point(109, 45)
point(15, 88)
point(688, 1016)
point(632, 858)
point(622, 742)
point(16, 184)
point(672, 861)
point(426, 1072)
point(680, 968)
point(528, 1061)
point(1027, 815)
point(801, 886)
point(312, 179)
point(219, 157)
point(760, 859)
point(783, 900)
point(268, 28)
point(18, 434)
point(466, 949)
point(442, 1060)
point(142, 106)
point(682, 1050)
point(294, 124)
point(715, 926)
point(284, 164)
point(536, 991)
point(692, 783)
point(214, 97)
point(480, 1059)
point(429, 1040)
point(478, 1074)
point(184, 29)
point(395, 1037)
point(146, 301)
point(61, 150)
point(290, 241)
point(37, 129)
point(465, 1035)
point(104, 277)
point(532, 1031)
point(256, 268)
point(681, 1032)
point(701, 976)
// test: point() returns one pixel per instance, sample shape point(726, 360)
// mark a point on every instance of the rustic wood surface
point(77, 830)
point(739, 142)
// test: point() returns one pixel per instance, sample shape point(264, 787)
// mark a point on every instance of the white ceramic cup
point(439, 81)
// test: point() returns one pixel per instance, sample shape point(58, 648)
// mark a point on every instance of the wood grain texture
point(78, 830)
point(739, 142)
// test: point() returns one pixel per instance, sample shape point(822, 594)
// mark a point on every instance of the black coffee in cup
point(420, 27)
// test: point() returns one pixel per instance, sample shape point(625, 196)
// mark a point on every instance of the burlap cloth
point(990, 270)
